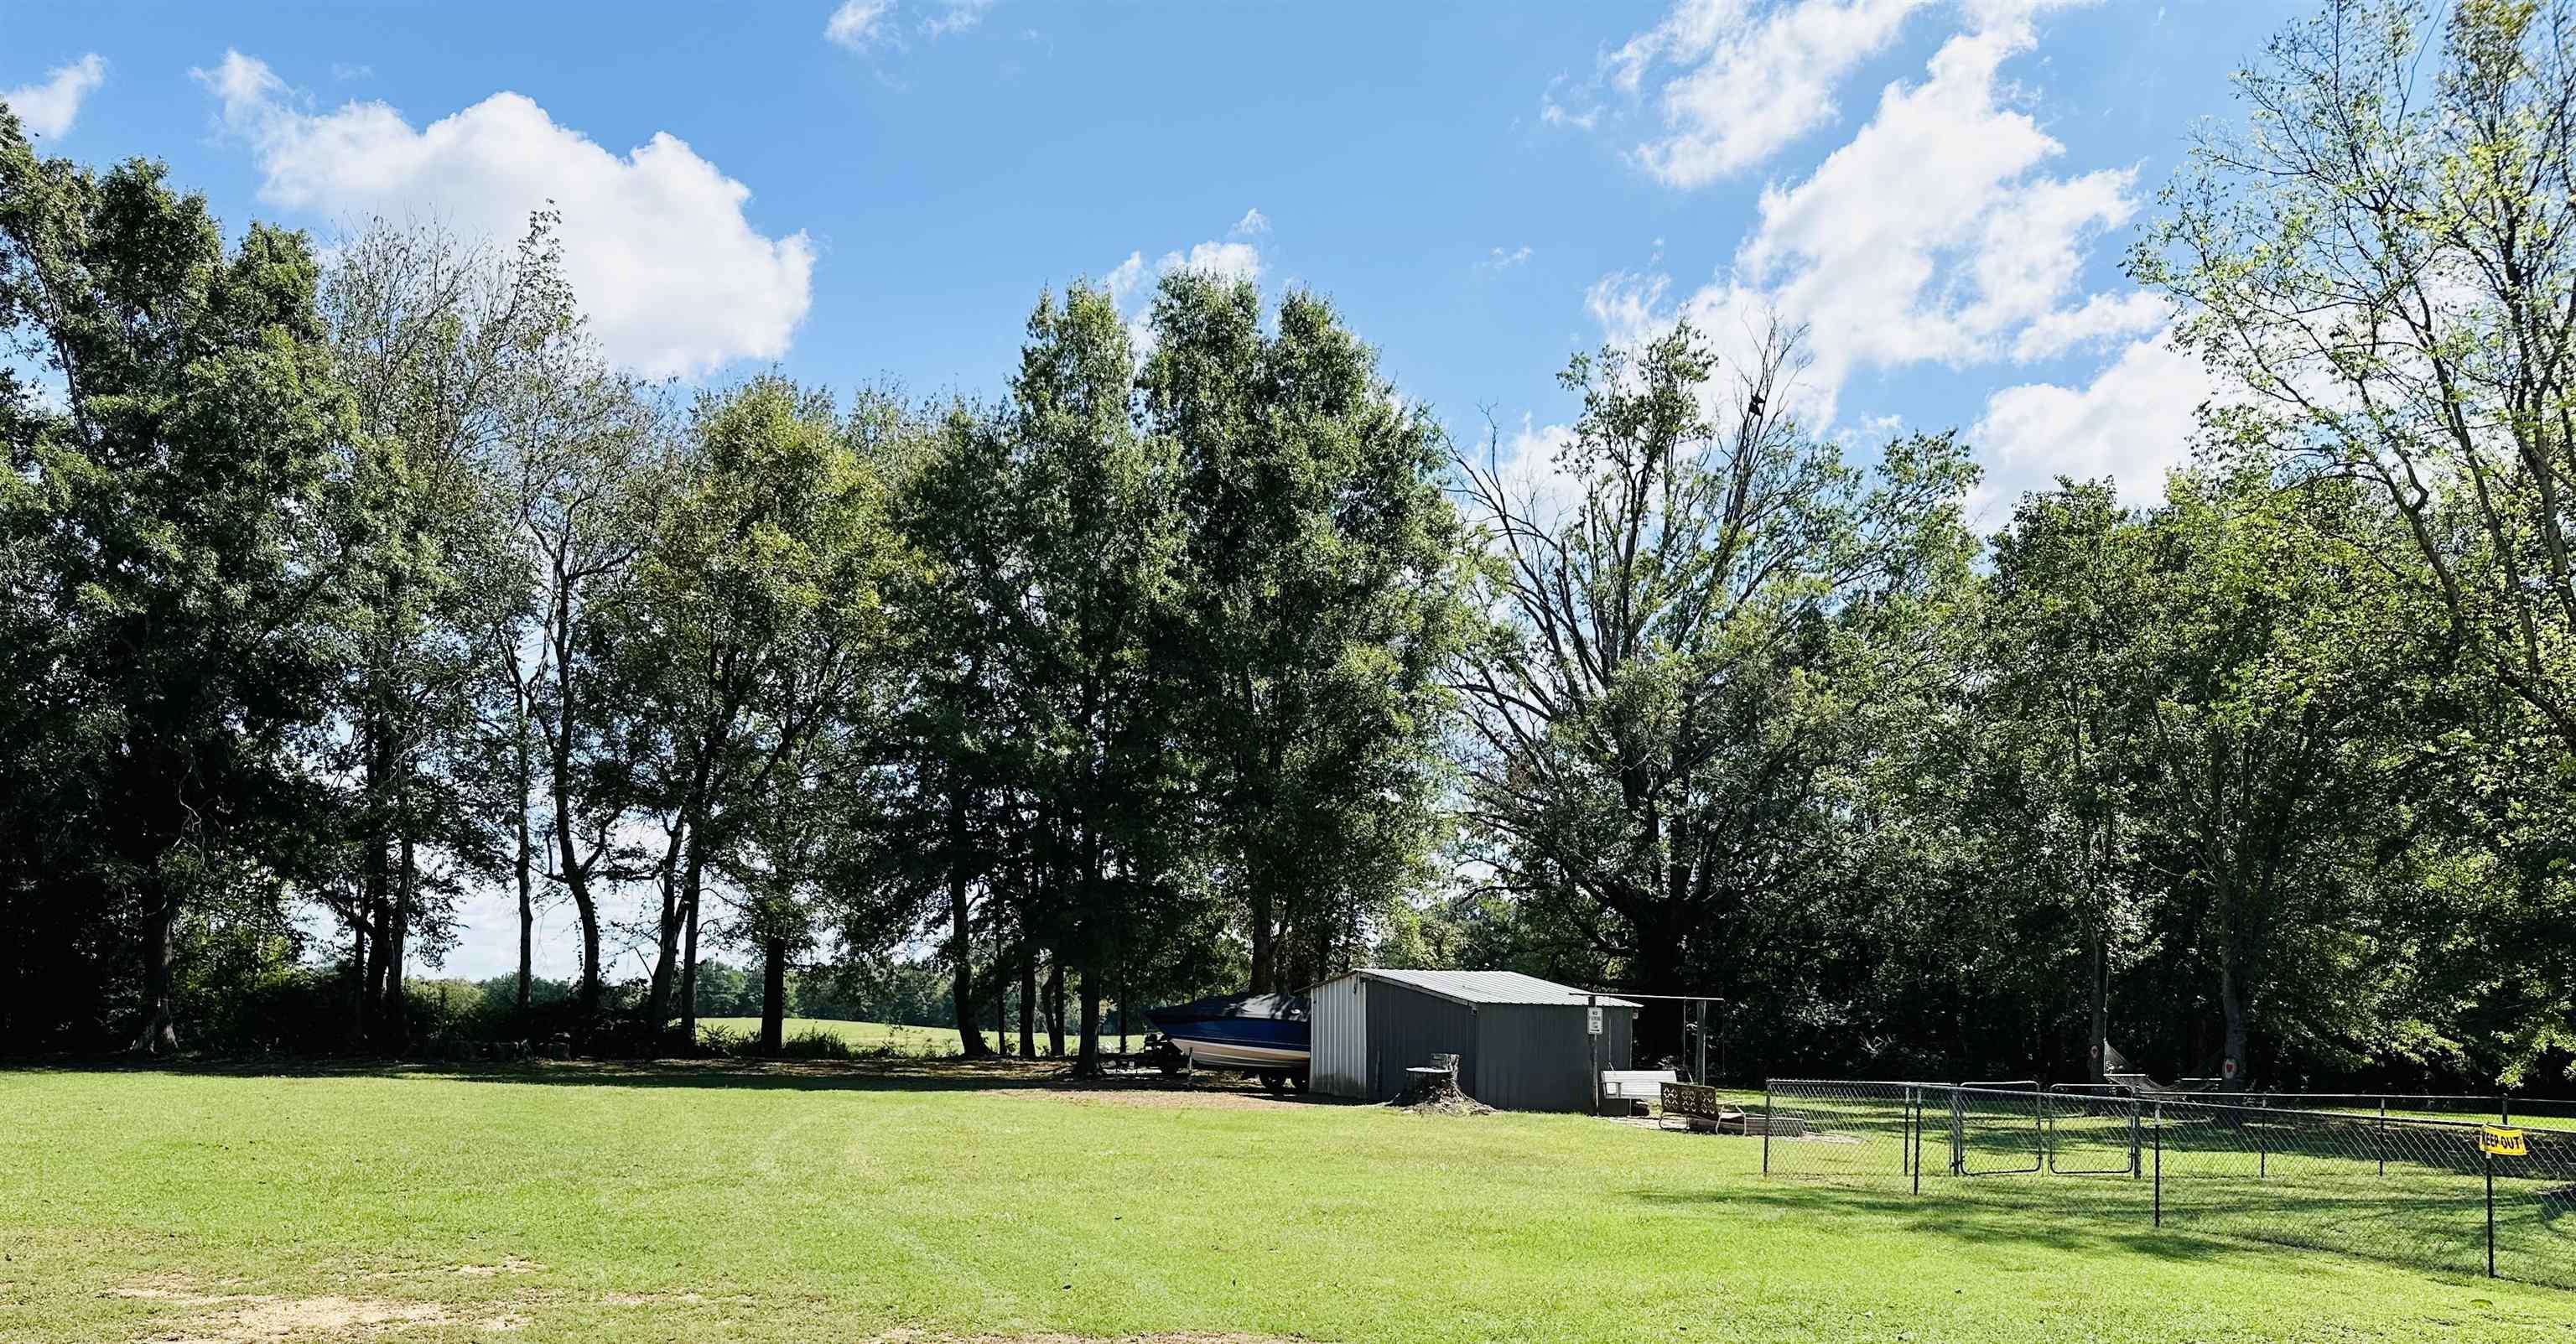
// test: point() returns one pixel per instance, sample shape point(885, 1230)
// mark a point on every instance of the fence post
point(1770, 1113)
point(1905, 1133)
point(1958, 1134)
point(2135, 1108)
point(2382, 1144)
point(2487, 1160)
point(2039, 1123)
point(2160, 1163)
point(2262, 1145)
point(1917, 1108)
point(2504, 1109)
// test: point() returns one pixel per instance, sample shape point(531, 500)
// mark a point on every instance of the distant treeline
point(1200, 658)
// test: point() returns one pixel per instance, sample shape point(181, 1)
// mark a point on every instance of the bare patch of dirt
point(259, 1318)
point(178, 1288)
point(509, 1265)
point(1163, 1337)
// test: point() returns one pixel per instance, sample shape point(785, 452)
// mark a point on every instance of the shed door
point(1339, 1016)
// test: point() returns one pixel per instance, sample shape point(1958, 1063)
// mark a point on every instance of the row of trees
point(2269, 779)
point(1200, 660)
point(349, 588)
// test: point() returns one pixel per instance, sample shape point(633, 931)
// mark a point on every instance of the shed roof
point(1493, 987)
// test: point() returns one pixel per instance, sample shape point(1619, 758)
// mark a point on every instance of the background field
point(861, 1036)
point(726, 1202)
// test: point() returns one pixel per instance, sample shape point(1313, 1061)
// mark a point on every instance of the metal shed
point(1521, 1042)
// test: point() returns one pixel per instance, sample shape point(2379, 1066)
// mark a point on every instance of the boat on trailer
point(1269, 1036)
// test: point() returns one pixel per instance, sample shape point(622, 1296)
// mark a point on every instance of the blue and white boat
point(1265, 1034)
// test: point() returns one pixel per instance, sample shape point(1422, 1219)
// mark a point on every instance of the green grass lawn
point(728, 1202)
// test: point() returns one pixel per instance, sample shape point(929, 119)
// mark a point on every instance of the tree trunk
point(576, 873)
point(392, 1019)
point(1055, 1006)
point(1659, 1023)
point(358, 980)
point(523, 858)
point(160, 1031)
point(1028, 1002)
point(689, 962)
point(773, 997)
point(2231, 999)
point(1087, 1063)
point(2099, 992)
point(362, 972)
point(576, 881)
point(666, 929)
point(379, 916)
point(970, 1041)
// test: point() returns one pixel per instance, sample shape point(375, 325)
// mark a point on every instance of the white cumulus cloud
point(956, 16)
point(1936, 234)
point(2134, 422)
point(857, 24)
point(50, 108)
point(1226, 261)
point(1746, 79)
point(674, 277)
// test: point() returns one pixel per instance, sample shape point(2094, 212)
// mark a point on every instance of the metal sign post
point(1592, 1038)
point(2496, 1141)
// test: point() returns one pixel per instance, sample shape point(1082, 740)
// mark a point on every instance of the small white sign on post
point(1592, 1020)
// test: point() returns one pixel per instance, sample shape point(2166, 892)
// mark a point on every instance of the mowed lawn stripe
point(843, 1201)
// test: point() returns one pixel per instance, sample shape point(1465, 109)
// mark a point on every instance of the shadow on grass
point(1971, 1219)
point(879, 1074)
point(2406, 1231)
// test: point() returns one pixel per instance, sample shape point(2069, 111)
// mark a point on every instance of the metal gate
point(1998, 1129)
point(2087, 1131)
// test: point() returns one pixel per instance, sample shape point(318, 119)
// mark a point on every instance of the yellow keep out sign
point(2502, 1142)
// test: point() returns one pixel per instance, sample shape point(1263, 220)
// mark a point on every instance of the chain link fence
point(2452, 1194)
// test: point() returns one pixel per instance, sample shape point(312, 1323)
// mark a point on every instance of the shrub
point(727, 1043)
point(813, 1044)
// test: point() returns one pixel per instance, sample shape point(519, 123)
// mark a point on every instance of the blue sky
point(1941, 190)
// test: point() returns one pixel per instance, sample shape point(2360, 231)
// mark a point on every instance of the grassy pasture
point(730, 1202)
point(862, 1037)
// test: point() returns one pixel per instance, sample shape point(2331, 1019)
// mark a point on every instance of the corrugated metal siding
point(1406, 1027)
point(1340, 1066)
point(1535, 1058)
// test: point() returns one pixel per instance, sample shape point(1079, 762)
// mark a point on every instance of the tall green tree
point(449, 348)
point(1659, 707)
point(1115, 844)
point(192, 452)
point(1318, 608)
point(2380, 263)
point(586, 477)
point(2377, 263)
point(752, 630)
point(960, 728)
point(2059, 704)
